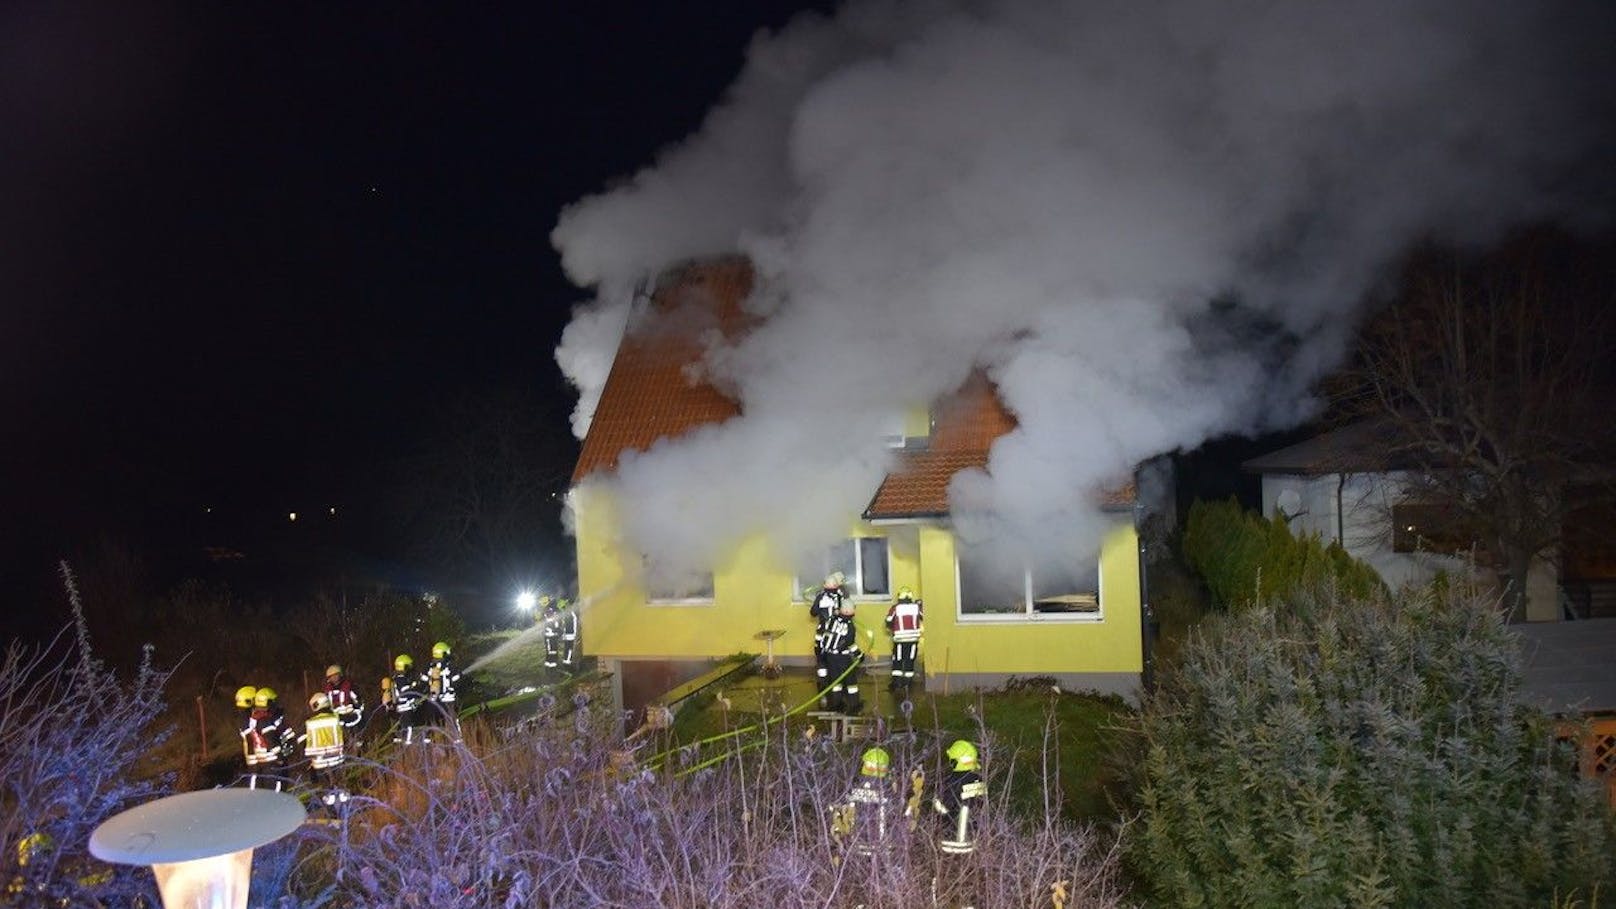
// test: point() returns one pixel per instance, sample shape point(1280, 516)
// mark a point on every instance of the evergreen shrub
point(1335, 751)
point(1243, 557)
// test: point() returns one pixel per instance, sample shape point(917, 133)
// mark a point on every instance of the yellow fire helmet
point(963, 754)
point(334, 670)
point(906, 595)
point(440, 650)
point(875, 762)
point(265, 697)
point(32, 846)
point(245, 695)
point(402, 662)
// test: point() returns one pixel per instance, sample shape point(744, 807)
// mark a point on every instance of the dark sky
point(244, 248)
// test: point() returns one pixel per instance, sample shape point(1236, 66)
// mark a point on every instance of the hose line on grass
point(654, 762)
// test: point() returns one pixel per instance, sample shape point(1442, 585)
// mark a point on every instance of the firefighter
point(323, 742)
point(823, 607)
point(440, 679)
point(567, 620)
point(266, 743)
point(408, 693)
point(862, 816)
point(441, 676)
point(549, 617)
point(962, 794)
point(244, 708)
point(842, 656)
point(904, 621)
point(344, 699)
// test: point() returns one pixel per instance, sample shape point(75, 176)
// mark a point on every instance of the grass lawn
point(1081, 731)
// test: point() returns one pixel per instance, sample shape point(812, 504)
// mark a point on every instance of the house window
point(991, 589)
point(1422, 527)
point(864, 560)
point(685, 588)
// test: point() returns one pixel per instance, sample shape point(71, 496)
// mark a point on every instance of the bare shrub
point(71, 738)
point(554, 816)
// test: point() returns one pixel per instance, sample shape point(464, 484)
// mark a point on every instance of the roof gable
point(653, 390)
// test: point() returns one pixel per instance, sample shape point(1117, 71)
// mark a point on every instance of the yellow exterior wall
point(751, 594)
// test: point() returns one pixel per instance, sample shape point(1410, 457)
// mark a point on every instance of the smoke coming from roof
point(1150, 223)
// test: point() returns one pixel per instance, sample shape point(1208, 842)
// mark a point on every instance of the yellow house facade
point(1085, 629)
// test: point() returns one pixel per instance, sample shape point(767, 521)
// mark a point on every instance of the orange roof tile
point(964, 427)
point(966, 424)
point(651, 393)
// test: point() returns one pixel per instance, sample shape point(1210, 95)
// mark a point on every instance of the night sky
point(246, 250)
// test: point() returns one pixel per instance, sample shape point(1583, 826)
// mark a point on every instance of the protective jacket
point(322, 739)
point(440, 678)
point(962, 796)
point(865, 813)
point(904, 621)
point(408, 693)
point(840, 635)
point(345, 701)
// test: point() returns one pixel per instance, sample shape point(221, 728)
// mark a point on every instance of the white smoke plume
point(1151, 223)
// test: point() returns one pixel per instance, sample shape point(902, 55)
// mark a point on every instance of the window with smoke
point(864, 561)
point(992, 586)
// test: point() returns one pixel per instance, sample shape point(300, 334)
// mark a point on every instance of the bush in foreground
point(71, 736)
point(1362, 753)
point(557, 815)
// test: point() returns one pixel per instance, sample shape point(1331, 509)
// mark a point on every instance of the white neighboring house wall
point(1355, 510)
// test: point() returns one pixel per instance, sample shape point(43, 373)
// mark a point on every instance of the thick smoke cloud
point(1151, 223)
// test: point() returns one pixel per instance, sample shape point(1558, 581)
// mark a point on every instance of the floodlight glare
point(525, 601)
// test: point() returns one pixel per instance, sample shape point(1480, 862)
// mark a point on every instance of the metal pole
point(202, 724)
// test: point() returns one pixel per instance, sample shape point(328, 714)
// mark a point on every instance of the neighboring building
point(1342, 486)
point(1084, 629)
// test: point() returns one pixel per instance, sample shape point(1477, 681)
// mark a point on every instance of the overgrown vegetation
point(1245, 558)
point(71, 736)
point(1328, 750)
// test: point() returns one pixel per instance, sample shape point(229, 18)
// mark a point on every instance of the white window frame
point(1029, 614)
point(799, 589)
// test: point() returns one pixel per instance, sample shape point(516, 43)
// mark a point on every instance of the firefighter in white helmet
point(323, 745)
point(824, 605)
point(343, 697)
point(842, 657)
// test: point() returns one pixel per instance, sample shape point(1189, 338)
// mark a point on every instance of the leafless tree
point(1493, 378)
point(486, 491)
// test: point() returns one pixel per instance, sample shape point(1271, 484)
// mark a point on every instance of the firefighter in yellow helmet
point(409, 694)
point(904, 621)
point(440, 678)
point(861, 819)
point(961, 796)
point(267, 744)
point(244, 709)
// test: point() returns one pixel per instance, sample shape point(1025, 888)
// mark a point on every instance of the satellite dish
point(1288, 503)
